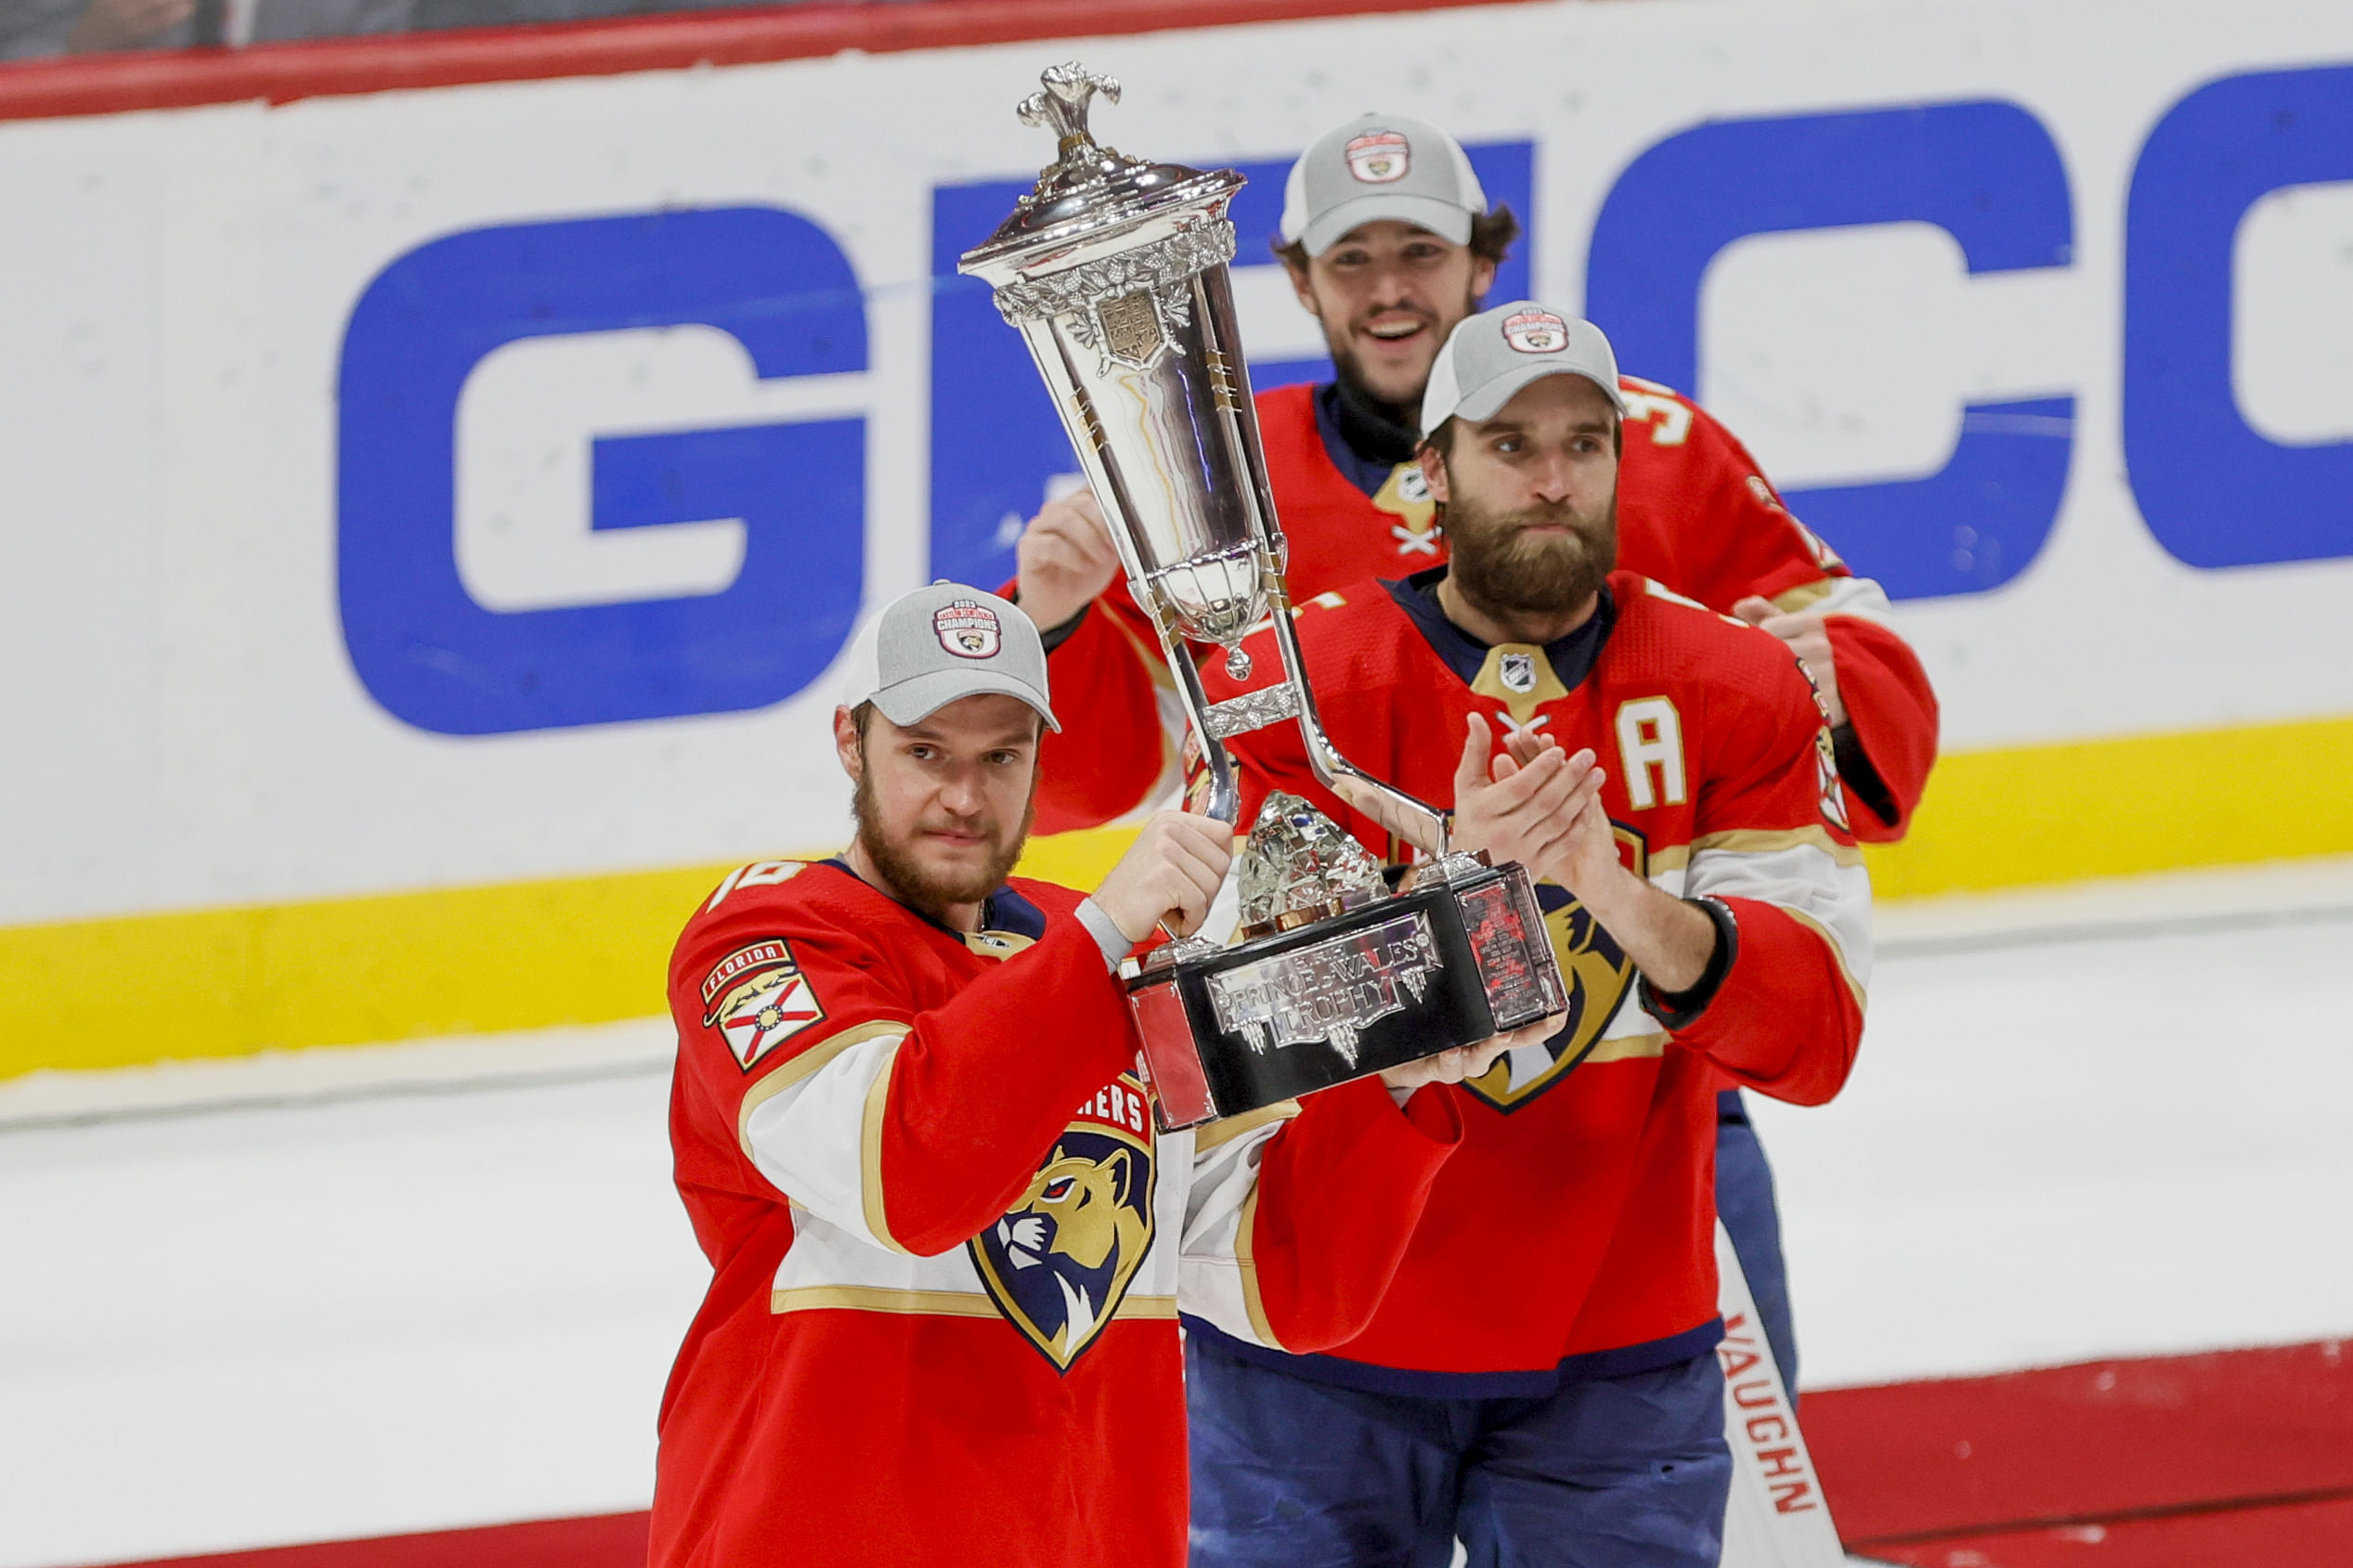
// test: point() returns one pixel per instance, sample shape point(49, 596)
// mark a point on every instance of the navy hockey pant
point(1744, 1198)
point(1608, 1472)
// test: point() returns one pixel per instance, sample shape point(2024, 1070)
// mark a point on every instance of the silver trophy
point(1114, 271)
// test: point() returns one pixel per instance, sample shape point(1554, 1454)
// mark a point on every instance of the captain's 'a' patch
point(1059, 1263)
point(757, 998)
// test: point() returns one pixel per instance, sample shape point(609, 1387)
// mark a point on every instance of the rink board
point(437, 512)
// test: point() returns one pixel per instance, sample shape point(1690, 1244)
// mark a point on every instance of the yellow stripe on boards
point(144, 988)
point(1078, 860)
point(2120, 807)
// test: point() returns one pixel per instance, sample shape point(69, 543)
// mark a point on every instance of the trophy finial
point(1062, 105)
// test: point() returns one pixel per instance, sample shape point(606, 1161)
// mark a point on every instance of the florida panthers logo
point(1599, 975)
point(967, 628)
point(1379, 157)
point(1536, 332)
point(1059, 1263)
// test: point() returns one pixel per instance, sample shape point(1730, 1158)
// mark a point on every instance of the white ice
point(341, 1293)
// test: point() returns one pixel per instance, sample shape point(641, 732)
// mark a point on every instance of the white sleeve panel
point(817, 1135)
point(1818, 880)
point(1859, 597)
point(1217, 1278)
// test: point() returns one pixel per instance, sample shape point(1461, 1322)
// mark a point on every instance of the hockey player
point(942, 1325)
point(1576, 1414)
point(1390, 242)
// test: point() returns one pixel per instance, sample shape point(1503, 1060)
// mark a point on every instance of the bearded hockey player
point(1390, 242)
point(1711, 904)
point(942, 1323)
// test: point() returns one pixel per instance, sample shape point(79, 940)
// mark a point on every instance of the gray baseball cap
point(1488, 357)
point(1380, 166)
point(939, 643)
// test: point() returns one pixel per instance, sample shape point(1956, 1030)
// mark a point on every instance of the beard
point(1506, 570)
point(919, 886)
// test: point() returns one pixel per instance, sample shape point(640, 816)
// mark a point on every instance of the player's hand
point(1467, 1061)
point(1172, 872)
point(1808, 638)
point(1521, 803)
point(1065, 558)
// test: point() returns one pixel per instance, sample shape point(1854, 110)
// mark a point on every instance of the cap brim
point(1485, 401)
point(919, 697)
point(1441, 217)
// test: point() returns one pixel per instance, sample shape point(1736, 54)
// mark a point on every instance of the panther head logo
point(1059, 1261)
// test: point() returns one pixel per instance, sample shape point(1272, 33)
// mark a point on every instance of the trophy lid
point(1090, 190)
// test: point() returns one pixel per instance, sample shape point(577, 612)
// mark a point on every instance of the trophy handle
point(1324, 757)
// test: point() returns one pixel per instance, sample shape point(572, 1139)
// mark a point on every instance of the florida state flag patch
point(757, 998)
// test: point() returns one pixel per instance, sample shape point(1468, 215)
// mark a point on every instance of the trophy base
point(1461, 958)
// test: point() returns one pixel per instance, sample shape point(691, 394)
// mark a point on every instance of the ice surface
point(443, 1284)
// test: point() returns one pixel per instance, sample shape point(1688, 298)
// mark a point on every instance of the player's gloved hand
point(1171, 872)
point(1065, 558)
point(1466, 1061)
point(1808, 637)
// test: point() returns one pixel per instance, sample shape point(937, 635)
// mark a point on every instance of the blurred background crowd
point(46, 29)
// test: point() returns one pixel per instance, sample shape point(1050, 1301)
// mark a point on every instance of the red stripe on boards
point(283, 72)
point(2076, 1444)
point(2293, 1536)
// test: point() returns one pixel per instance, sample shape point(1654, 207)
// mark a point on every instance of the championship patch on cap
point(1379, 157)
point(967, 628)
point(757, 998)
point(1536, 332)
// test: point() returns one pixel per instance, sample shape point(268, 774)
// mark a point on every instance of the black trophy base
point(1450, 962)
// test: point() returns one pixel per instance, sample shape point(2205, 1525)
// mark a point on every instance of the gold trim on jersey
point(1519, 676)
point(1405, 495)
point(870, 1152)
point(1244, 1258)
point(932, 1303)
point(1767, 841)
point(1805, 596)
point(997, 944)
point(1221, 1133)
point(800, 1067)
point(1628, 1048)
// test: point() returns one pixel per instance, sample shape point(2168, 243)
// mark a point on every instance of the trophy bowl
point(1114, 271)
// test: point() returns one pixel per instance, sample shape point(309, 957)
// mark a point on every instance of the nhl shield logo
point(1379, 157)
point(1059, 1263)
point(1517, 671)
point(757, 998)
point(1599, 975)
point(1536, 332)
point(967, 628)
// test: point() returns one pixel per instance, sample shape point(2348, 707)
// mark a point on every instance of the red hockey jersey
point(1694, 512)
point(1574, 1227)
point(942, 1323)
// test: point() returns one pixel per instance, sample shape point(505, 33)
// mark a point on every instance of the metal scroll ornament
point(1113, 269)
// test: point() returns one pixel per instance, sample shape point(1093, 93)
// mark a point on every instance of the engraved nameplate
point(1329, 991)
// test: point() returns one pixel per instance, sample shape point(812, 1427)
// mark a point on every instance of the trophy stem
point(1324, 757)
point(1224, 800)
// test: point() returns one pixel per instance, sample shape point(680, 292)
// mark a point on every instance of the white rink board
point(189, 729)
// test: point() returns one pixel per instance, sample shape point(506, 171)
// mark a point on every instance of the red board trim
point(284, 73)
